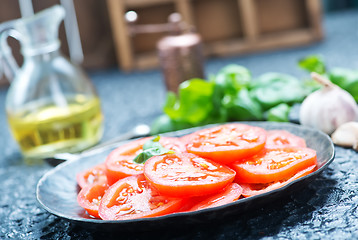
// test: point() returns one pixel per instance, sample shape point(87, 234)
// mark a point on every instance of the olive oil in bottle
point(43, 129)
point(51, 103)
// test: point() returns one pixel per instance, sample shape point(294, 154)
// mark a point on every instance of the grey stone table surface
point(327, 208)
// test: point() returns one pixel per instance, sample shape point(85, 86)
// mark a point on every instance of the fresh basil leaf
point(311, 85)
point(151, 148)
point(232, 78)
point(352, 88)
point(346, 79)
point(171, 101)
point(194, 103)
point(342, 76)
point(218, 113)
point(164, 124)
point(313, 63)
point(242, 107)
point(279, 113)
point(228, 82)
point(153, 143)
point(271, 89)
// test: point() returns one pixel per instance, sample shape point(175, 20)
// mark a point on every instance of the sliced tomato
point(274, 165)
point(173, 143)
point(120, 164)
point(132, 197)
point(186, 175)
point(96, 174)
point(90, 197)
point(230, 194)
point(227, 143)
point(282, 138)
point(252, 189)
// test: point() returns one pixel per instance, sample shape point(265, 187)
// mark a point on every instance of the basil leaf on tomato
point(151, 148)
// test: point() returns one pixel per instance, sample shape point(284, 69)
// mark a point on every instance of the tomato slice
point(274, 165)
point(90, 197)
point(252, 189)
point(227, 143)
point(186, 175)
point(132, 197)
point(96, 174)
point(120, 164)
point(230, 194)
point(173, 143)
point(282, 138)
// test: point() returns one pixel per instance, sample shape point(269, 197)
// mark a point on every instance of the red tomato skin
point(140, 197)
point(186, 175)
point(226, 148)
point(89, 197)
point(249, 190)
point(96, 174)
point(282, 138)
point(119, 163)
point(230, 194)
point(249, 171)
point(173, 143)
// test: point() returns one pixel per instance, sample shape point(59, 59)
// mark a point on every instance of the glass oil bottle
point(51, 104)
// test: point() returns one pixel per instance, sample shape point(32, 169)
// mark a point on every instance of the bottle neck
point(43, 49)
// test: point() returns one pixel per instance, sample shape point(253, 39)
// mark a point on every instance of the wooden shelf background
point(228, 27)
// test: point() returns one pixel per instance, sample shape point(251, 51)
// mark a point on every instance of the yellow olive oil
point(43, 129)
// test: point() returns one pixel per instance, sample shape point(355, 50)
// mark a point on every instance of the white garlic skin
point(346, 135)
point(328, 108)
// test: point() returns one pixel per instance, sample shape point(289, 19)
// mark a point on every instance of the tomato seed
point(204, 165)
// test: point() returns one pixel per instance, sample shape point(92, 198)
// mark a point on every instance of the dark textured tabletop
point(327, 208)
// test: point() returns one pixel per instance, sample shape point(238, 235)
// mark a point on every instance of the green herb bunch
point(231, 95)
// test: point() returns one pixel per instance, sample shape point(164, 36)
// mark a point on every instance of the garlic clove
point(346, 135)
point(355, 146)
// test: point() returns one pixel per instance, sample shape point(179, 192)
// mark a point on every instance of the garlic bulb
point(328, 108)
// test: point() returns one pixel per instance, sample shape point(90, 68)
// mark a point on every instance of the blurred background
point(226, 28)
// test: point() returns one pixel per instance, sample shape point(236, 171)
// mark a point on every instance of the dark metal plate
point(57, 190)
